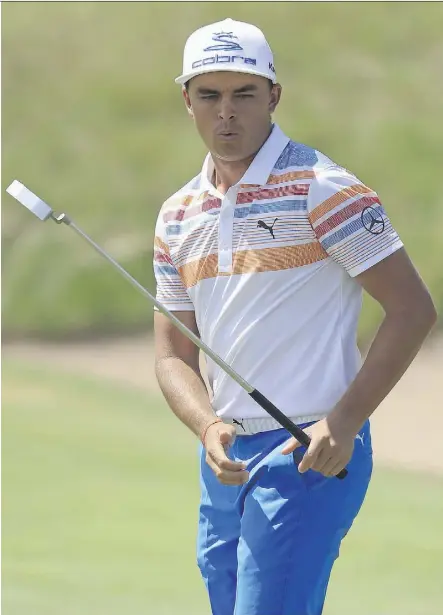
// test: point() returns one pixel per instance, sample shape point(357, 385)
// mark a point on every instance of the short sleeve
point(170, 291)
point(349, 221)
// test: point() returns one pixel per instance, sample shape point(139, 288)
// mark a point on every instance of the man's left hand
point(330, 449)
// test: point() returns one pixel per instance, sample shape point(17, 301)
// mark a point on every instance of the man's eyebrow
point(206, 91)
point(246, 88)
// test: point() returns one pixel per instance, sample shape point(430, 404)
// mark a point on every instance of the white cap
point(227, 45)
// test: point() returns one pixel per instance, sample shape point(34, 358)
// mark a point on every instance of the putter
point(43, 212)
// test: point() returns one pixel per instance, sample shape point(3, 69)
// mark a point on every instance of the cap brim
point(223, 68)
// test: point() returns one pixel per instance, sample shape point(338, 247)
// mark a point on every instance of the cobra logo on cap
point(225, 42)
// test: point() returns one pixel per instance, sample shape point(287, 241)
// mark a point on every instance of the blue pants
point(268, 547)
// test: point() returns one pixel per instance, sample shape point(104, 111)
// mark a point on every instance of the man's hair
point(271, 85)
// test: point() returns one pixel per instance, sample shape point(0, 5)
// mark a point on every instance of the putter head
point(30, 200)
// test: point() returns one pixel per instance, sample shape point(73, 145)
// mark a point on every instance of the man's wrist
point(207, 426)
point(347, 419)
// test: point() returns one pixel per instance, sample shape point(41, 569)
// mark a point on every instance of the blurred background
point(100, 490)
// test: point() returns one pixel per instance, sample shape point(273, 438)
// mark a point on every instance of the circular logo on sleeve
point(372, 221)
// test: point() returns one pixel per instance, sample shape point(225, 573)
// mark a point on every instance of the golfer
point(265, 255)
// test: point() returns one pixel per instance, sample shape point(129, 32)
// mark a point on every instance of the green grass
point(100, 496)
point(99, 500)
point(93, 122)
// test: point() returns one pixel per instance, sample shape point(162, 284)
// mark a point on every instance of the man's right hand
point(219, 437)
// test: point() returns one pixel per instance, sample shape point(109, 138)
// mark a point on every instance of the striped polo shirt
point(269, 269)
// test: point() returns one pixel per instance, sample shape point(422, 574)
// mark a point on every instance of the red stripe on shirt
point(272, 193)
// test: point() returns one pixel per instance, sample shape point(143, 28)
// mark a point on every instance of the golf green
point(100, 497)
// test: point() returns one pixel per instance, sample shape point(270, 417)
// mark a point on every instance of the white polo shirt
point(269, 270)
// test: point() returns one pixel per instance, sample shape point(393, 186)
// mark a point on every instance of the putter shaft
point(43, 211)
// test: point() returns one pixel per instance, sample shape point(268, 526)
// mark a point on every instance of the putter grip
point(286, 422)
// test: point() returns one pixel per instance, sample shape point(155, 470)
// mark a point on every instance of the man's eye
point(209, 96)
point(245, 95)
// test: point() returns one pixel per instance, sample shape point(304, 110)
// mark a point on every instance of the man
point(265, 255)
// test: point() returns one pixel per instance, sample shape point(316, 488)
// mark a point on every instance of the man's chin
point(229, 154)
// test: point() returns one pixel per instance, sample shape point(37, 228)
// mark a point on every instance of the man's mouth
point(227, 134)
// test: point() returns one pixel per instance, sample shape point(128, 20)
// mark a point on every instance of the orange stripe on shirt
point(277, 259)
point(201, 269)
point(254, 261)
point(158, 243)
point(289, 177)
point(336, 199)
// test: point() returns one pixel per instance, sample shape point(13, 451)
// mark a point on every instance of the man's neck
point(227, 174)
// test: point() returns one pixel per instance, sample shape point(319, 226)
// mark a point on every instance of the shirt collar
point(260, 168)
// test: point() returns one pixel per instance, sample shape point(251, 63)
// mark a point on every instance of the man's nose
point(227, 110)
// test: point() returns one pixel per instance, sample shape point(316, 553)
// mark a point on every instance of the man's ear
point(187, 102)
point(275, 97)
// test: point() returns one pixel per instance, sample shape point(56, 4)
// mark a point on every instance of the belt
point(249, 427)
